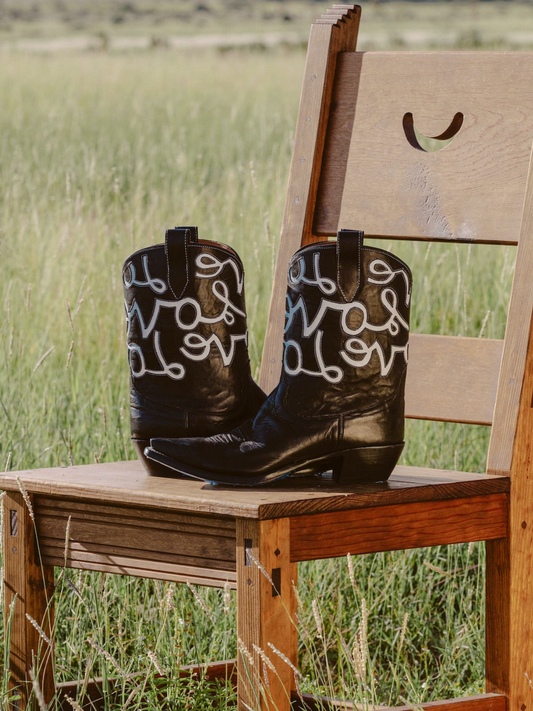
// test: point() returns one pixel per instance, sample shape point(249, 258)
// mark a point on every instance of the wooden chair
point(356, 163)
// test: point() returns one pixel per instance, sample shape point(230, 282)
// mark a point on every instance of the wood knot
point(524, 525)
point(277, 552)
point(523, 707)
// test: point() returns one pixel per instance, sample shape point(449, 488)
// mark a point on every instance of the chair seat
point(128, 484)
point(121, 520)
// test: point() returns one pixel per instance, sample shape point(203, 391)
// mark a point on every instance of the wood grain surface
point(128, 485)
point(331, 35)
point(32, 583)
point(265, 616)
point(398, 527)
point(472, 190)
point(461, 374)
point(510, 582)
point(481, 702)
point(516, 346)
point(164, 545)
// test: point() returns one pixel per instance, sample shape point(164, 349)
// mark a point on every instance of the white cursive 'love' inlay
point(355, 352)
point(187, 315)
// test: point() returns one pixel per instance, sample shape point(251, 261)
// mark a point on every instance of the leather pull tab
point(193, 229)
point(176, 242)
point(349, 247)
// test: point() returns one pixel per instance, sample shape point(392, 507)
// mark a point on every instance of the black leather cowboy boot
point(340, 402)
point(187, 341)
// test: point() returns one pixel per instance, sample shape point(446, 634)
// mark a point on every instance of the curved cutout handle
point(427, 143)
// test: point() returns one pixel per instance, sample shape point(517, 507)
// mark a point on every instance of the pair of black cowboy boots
point(339, 405)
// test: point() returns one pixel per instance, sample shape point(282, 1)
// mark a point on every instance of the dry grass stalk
point(37, 691)
point(436, 569)
point(318, 618)
point(265, 676)
point(67, 541)
point(131, 696)
point(26, 498)
point(284, 658)
point(201, 602)
point(42, 633)
point(75, 705)
point(226, 598)
point(403, 631)
point(42, 359)
point(266, 661)
point(70, 317)
point(261, 567)
point(351, 573)
point(107, 656)
point(359, 648)
point(243, 649)
point(69, 355)
point(167, 600)
point(155, 661)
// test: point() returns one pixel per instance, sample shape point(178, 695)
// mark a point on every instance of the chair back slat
point(376, 177)
point(361, 161)
point(452, 379)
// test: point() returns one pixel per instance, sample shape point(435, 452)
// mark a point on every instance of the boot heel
point(153, 468)
point(367, 464)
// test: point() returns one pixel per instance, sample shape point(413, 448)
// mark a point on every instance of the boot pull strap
point(177, 254)
point(349, 247)
point(194, 232)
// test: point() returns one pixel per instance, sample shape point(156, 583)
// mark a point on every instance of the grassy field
point(463, 23)
point(100, 152)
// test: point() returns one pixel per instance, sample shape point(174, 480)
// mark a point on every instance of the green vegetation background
point(99, 152)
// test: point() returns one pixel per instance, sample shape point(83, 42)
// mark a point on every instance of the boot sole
point(361, 465)
point(152, 467)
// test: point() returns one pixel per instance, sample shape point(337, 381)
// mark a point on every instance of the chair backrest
point(359, 162)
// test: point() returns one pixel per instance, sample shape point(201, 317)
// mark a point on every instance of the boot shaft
point(347, 328)
point(186, 324)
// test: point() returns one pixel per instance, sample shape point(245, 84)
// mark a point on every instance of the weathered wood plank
point(58, 519)
point(31, 581)
point(193, 545)
point(497, 611)
point(510, 582)
point(140, 516)
point(482, 702)
point(208, 577)
point(128, 483)
point(327, 40)
point(451, 194)
point(266, 607)
point(55, 547)
point(516, 345)
point(398, 527)
point(460, 373)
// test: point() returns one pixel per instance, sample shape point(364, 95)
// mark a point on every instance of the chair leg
point(498, 612)
point(266, 619)
point(28, 588)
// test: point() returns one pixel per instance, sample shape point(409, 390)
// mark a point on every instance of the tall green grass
point(99, 153)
